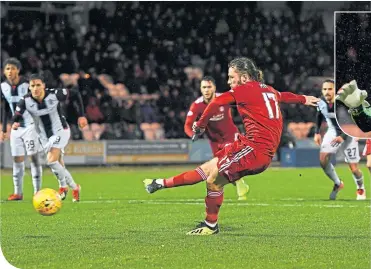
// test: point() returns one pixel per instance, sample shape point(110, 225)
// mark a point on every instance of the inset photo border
point(352, 59)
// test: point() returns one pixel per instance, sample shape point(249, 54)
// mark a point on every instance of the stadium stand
point(138, 66)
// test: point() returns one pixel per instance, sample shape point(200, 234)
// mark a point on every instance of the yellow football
point(47, 202)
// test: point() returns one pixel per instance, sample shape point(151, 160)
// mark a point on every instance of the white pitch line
point(174, 202)
point(102, 201)
point(228, 202)
point(201, 202)
point(225, 200)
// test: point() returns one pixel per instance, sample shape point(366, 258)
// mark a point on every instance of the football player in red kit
point(367, 153)
point(367, 150)
point(220, 131)
point(250, 154)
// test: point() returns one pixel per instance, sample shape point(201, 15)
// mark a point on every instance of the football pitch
point(287, 222)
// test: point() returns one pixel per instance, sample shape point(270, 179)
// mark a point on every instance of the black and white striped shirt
point(47, 113)
point(13, 94)
point(326, 111)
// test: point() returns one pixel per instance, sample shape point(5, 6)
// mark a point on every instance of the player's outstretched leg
point(214, 199)
point(184, 179)
point(18, 173)
point(242, 189)
point(36, 172)
point(329, 170)
point(153, 185)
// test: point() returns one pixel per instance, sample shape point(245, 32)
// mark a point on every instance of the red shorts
point(240, 159)
point(367, 149)
point(216, 146)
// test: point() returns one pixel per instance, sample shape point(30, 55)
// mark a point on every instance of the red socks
point(187, 178)
point(213, 202)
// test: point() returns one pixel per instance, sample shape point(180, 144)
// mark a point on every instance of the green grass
point(287, 222)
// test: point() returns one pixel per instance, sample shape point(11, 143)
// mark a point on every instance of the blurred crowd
point(138, 65)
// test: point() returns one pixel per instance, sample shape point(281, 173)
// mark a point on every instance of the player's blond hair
point(244, 65)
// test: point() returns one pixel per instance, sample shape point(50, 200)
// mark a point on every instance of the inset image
point(353, 72)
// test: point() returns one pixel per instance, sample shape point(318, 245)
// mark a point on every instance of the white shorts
point(349, 147)
point(24, 139)
point(58, 140)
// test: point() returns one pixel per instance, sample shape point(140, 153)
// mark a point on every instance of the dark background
point(353, 49)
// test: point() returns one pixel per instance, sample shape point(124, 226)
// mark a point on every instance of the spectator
point(132, 49)
point(93, 112)
point(150, 121)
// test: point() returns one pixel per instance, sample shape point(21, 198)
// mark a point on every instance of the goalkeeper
point(359, 109)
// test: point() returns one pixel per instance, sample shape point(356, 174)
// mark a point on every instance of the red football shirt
point(220, 129)
point(258, 106)
point(367, 149)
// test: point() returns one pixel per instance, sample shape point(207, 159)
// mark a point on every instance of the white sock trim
point(201, 173)
point(160, 181)
point(212, 225)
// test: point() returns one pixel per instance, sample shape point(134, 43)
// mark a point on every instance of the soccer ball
point(47, 202)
